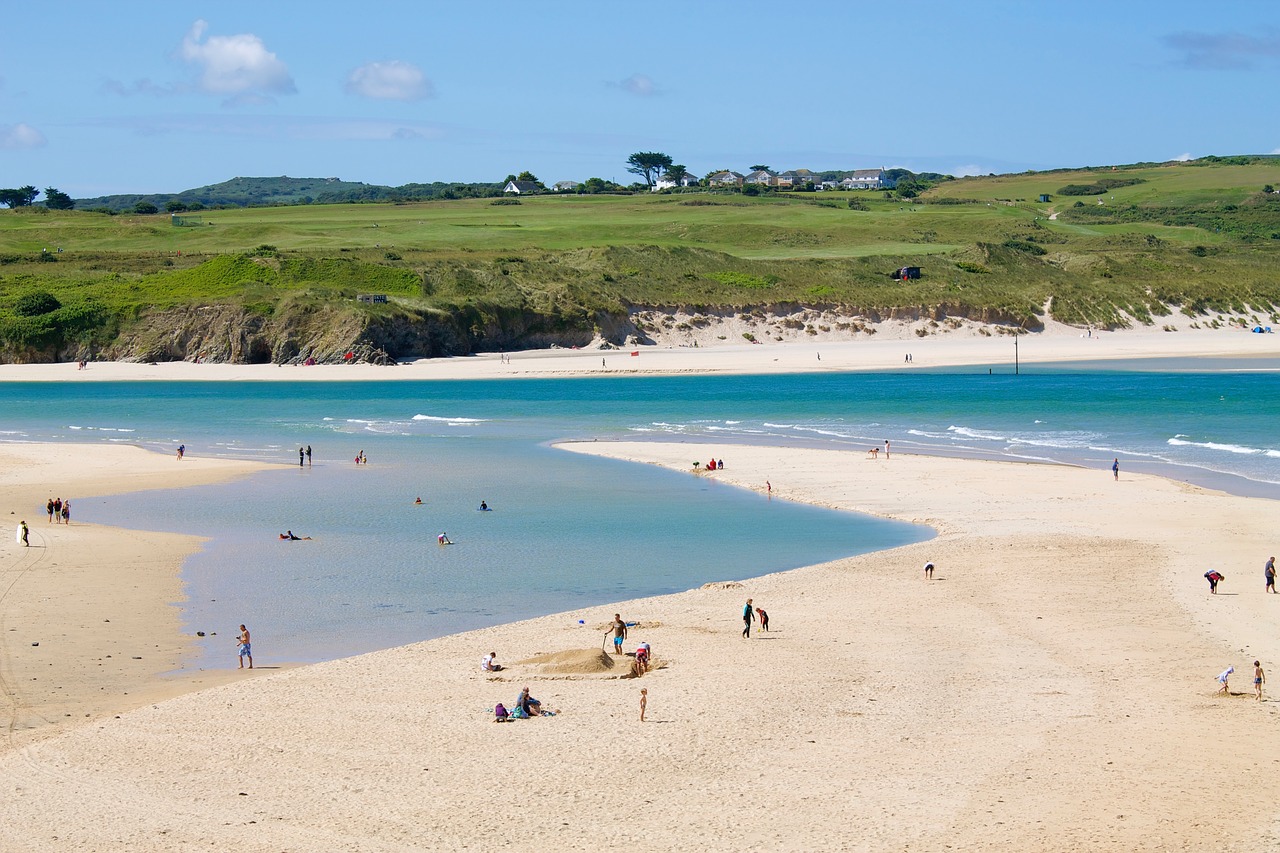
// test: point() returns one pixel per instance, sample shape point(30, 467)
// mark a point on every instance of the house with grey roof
point(867, 179)
point(521, 188)
point(763, 177)
point(566, 186)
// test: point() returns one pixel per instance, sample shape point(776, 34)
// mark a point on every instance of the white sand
point(885, 350)
point(1050, 690)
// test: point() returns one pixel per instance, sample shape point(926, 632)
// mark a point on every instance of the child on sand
point(928, 571)
point(644, 700)
point(1225, 690)
point(1259, 679)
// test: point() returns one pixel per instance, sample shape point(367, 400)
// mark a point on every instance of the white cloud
point(390, 81)
point(1182, 158)
point(18, 137)
point(969, 170)
point(234, 65)
point(638, 85)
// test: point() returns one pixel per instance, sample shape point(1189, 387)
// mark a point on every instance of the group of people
point(59, 511)
point(644, 652)
point(756, 614)
point(304, 453)
point(712, 465)
point(1215, 577)
point(361, 459)
point(525, 706)
point(1259, 679)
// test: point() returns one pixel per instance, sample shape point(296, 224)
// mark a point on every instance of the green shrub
point(1025, 246)
point(36, 303)
point(742, 279)
point(971, 267)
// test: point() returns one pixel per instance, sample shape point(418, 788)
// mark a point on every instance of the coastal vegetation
point(281, 283)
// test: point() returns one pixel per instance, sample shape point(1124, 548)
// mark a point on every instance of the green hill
point(280, 283)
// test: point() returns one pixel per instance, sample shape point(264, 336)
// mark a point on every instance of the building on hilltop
point(763, 177)
point(521, 187)
point(665, 183)
point(725, 179)
point(867, 179)
point(565, 186)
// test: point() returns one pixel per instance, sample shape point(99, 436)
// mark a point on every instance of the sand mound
point(573, 661)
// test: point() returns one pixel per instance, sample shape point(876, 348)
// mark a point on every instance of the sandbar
point(1052, 688)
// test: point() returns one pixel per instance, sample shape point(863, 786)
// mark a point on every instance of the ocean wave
point(1214, 445)
point(450, 421)
point(984, 435)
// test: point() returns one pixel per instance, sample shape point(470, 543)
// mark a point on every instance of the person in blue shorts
point(246, 650)
point(619, 633)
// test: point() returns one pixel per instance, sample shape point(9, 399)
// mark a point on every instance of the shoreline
point(885, 351)
point(1051, 689)
point(88, 626)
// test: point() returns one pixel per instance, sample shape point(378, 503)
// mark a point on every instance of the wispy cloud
point(1223, 51)
point(234, 65)
point(638, 85)
point(390, 81)
point(20, 137)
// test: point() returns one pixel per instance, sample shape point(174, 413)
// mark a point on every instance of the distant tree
point(528, 176)
point(145, 208)
point(195, 205)
point(676, 173)
point(56, 199)
point(20, 197)
point(595, 185)
point(648, 165)
point(175, 206)
point(759, 168)
point(1268, 189)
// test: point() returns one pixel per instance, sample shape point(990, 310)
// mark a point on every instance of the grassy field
point(1200, 235)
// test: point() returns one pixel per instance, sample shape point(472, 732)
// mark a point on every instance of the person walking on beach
point(1115, 469)
point(748, 613)
point(66, 512)
point(308, 456)
point(1259, 679)
point(246, 650)
point(619, 633)
point(182, 450)
point(23, 534)
point(57, 509)
point(1269, 572)
point(928, 571)
point(302, 455)
point(644, 700)
point(49, 509)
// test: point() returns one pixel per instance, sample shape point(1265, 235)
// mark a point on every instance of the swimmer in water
point(418, 501)
point(484, 507)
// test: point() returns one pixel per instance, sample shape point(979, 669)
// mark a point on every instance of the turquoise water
point(569, 531)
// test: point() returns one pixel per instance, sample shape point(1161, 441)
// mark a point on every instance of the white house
point(565, 186)
point(760, 176)
point(520, 187)
point(867, 179)
point(665, 183)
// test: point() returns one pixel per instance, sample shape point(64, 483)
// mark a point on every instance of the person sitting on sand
point(490, 663)
point(526, 703)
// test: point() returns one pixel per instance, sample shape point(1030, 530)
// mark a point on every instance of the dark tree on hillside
point(56, 199)
point(676, 173)
point(648, 165)
point(145, 208)
point(759, 168)
point(175, 206)
point(20, 197)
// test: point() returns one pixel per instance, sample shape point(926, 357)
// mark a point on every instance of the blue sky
point(140, 96)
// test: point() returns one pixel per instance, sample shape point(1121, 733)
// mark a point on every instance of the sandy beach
point(87, 625)
point(887, 349)
point(1051, 688)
